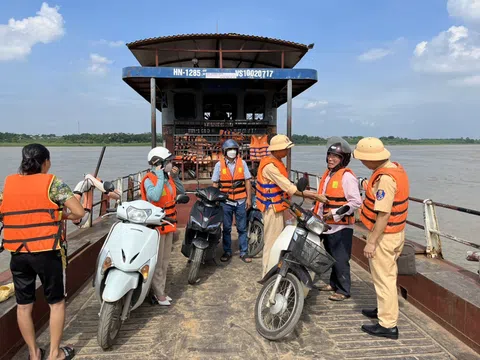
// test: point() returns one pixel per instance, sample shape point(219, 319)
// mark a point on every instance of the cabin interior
point(199, 114)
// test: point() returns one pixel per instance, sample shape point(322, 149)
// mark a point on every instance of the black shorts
point(48, 266)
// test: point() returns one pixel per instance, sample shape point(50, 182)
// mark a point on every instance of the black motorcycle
point(254, 222)
point(204, 229)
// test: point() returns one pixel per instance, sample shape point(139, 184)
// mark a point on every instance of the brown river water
point(445, 173)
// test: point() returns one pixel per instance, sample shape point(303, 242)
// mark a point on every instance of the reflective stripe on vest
point(336, 196)
point(399, 212)
point(226, 179)
point(268, 193)
point(32, 221)
point(166, 202)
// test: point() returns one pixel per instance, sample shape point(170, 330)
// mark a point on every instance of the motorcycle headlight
point(213, 226)
point(137, 215)
point(315, 225)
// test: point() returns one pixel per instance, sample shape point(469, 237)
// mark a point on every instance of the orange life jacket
point(268, 193)
point(336, 196)
point(399, 212)
point(166, 202)
point(227, 180)
point(258, 147)
point(32, 221)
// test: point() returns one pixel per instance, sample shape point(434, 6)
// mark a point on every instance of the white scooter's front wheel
point(279, 319)
point(109, 323)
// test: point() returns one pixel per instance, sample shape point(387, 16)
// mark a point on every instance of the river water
point(446, 173)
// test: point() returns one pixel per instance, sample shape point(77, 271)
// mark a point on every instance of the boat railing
point(430, 226)
point(127, 186)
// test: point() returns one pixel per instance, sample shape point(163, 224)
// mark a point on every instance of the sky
point(405, 68)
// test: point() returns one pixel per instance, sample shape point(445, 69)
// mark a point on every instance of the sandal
point(246, 259)
point(69, 352)
point(42, 354)
point(225, 257)
point(326, 288)
point(338, 297)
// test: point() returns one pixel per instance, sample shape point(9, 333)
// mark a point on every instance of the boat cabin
point(212, 87)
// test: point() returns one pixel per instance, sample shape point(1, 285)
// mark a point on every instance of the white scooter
point(126, 263)
point(295, 257)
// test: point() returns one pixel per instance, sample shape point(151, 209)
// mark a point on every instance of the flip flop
point(245, 257)
point(338, 297)
point(68, 351)
point(42, 354)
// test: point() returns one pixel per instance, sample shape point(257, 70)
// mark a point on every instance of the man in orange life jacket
point(273, 185)
point(34, 205)
point(230, 169)
point(340, 186)
point(384, 213)
point(160, 186)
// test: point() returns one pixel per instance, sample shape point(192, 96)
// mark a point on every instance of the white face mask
point(168, 167)
point(232, 154)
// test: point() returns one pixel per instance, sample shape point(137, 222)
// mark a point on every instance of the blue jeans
point(241, 222)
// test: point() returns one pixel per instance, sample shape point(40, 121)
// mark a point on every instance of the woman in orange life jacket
point(33, 208)
point(384, 214)
point(160, 187)
point(340, 186)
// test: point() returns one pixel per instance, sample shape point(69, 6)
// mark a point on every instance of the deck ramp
point(215, 320)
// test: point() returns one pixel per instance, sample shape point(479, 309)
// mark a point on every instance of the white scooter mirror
point(108, 186)
point(182, 199)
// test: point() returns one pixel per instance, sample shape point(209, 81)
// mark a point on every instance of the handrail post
point(120, 187)
point(434, 243)
point(130, 186)
point(139, 183)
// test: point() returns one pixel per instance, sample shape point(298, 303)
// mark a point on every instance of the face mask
point(168, 167)
point(232, 154)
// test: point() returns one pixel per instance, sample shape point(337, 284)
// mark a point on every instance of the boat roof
point(238, 51)
point(138, 78)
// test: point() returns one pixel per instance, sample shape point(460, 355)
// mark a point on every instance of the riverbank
point(57, 144)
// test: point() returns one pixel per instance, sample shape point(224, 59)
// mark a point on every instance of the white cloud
point(466, 9)
point(451, 51)
point(380, 52)
point(99, 64)
point(473, 80)
point(109, 43)
point(17, 37)
point(315, 104)
point(374, 54)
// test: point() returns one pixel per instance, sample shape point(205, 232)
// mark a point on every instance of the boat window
point(184, 104)
point(219, 107)
point(254, 107)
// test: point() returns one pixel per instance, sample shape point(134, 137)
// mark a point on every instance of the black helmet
point(340, 147)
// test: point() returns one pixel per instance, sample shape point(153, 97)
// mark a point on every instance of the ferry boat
point(209, 88)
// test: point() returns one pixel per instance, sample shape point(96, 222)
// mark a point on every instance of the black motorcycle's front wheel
point(195, 265)
point(255, 238)
point(278, 320)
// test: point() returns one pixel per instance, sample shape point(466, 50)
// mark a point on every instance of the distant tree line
point(388, 140)
point(86, 138)
point(144, 138)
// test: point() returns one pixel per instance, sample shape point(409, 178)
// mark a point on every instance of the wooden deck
point(215, 320)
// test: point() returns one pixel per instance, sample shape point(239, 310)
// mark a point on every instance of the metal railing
point(128, 184)
point(430, 221)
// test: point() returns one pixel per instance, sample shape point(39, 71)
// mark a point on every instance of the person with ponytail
point(33, 207)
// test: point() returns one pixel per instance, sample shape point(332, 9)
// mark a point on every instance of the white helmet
point(158, 155)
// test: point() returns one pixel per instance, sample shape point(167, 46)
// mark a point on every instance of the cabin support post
point(289, 123)
point(153, 102)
